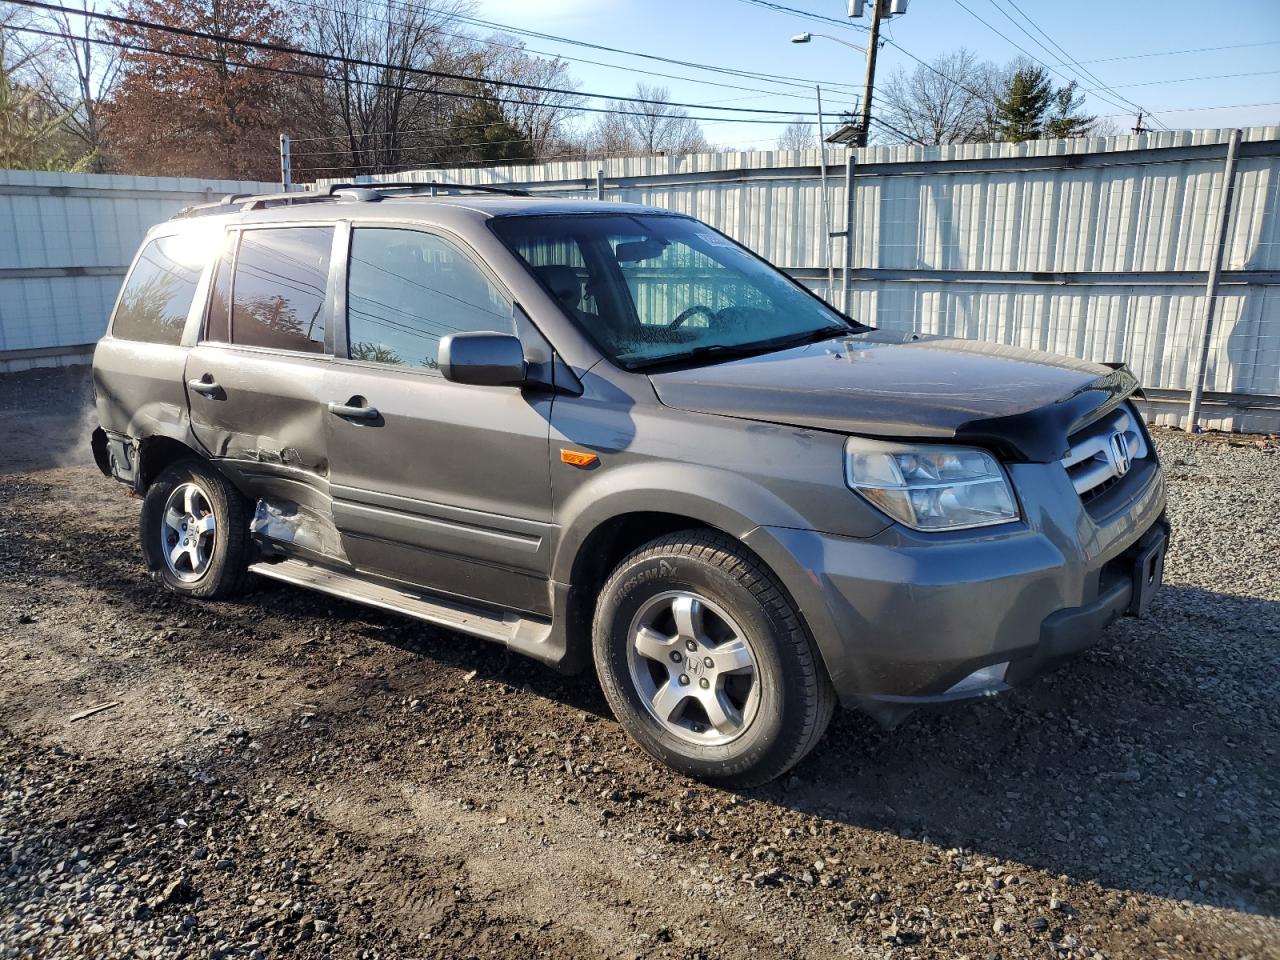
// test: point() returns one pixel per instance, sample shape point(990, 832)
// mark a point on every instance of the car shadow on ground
point(1147, 763)
point(1144, 764)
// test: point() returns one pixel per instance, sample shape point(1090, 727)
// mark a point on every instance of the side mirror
point(483, 359)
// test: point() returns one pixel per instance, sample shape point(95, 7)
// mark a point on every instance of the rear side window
point(278, 291)
point(407, 289)
point(157, 296)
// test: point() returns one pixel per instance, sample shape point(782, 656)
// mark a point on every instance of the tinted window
point(159, 291)
point(278, 295)
point(406, 290)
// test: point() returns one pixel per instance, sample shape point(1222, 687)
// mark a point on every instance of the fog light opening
point(989, 680)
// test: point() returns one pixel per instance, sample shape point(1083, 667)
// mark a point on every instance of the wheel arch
point(613, 525)
point(156, 453)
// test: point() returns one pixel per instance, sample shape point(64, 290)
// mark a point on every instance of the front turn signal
point(578, 458)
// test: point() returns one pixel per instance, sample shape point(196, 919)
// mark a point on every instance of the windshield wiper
point(729, 351)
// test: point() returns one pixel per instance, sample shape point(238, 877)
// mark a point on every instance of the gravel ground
point(290, 775)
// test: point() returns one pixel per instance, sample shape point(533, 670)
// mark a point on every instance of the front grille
point(1096, 461)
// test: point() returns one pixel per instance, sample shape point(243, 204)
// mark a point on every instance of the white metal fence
point(65, 243)
point(1099, 248)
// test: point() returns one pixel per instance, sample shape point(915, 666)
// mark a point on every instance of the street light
point(806, 37)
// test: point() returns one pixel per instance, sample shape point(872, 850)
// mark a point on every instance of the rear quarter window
point(157, 296)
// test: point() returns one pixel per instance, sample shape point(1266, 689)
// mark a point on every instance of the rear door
point(255, 379)
point(437, 484)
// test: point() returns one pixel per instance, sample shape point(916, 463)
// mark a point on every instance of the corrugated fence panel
point(1095, 247)
point(66, 241)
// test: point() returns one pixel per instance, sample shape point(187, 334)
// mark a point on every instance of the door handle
point(353, 412)
point(208, 388)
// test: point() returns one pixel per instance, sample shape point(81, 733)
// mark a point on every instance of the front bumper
point(904, 619)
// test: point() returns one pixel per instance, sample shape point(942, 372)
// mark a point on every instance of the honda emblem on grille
point(1120, 457)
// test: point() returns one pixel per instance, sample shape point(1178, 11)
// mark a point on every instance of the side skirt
point(530, 636)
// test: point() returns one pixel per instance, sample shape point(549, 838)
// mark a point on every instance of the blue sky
point(739, 34)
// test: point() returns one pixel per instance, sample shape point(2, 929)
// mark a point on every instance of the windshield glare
point(651, 288)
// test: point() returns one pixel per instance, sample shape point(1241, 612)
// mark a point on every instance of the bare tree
point(79, 76)
point(948, 100)
point(797, 135)
point(32, 127)
point(646, 127)
point(541, 115)
point(385, 117)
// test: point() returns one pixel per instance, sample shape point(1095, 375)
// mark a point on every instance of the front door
point(435, 484)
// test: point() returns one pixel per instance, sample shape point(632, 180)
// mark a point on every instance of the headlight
point(929, 487)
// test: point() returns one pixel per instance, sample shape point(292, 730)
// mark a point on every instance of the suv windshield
point(654, 289)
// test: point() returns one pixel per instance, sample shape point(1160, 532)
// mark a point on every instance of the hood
point(1023, 403)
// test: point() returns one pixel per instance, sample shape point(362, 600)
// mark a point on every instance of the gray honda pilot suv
point(599, 432)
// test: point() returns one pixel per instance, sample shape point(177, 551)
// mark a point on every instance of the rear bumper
point(904, 620)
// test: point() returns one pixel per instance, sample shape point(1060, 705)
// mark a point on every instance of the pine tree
point(1023, 105)
point(1066, 119)
point(483, 132)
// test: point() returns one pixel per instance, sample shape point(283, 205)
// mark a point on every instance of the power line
point(1224, 106)
point(1215, 76)
point(807, 14)
point(901, 133)
point(1028, 53)
point(379, 84)
point(560, 56)
point(1172, 53)
point(554, 38)
point(359, 62)
point(1093, 77)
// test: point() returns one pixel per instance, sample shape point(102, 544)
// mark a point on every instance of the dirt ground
point(290, 775)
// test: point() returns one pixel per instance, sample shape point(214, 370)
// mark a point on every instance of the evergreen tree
point(1066, 119)
point(1021, 108)
point(483, 133)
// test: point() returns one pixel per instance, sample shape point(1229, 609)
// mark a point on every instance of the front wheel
point(195, 531)
point(705, 663)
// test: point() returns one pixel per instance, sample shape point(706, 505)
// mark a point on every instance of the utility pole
point(1138, 127)
point(867, 87)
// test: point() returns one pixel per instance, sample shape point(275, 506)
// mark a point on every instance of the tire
point(215, 562)
point(721, 598)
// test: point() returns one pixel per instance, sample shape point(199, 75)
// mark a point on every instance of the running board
point(509, 629)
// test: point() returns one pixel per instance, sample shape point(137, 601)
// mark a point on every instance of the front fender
point(727, 501)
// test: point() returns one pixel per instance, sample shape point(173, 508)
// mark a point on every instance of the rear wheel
point(195, 531)
point(705, 663)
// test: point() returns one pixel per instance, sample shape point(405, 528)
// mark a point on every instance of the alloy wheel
point(188, 532)
point(693, 667)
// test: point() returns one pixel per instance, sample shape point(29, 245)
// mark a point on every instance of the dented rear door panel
point(265, 422)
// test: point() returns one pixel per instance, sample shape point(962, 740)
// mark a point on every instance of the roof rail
point(431, 187)
point(368, 192)
point(213, 206)
point(237, 202)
